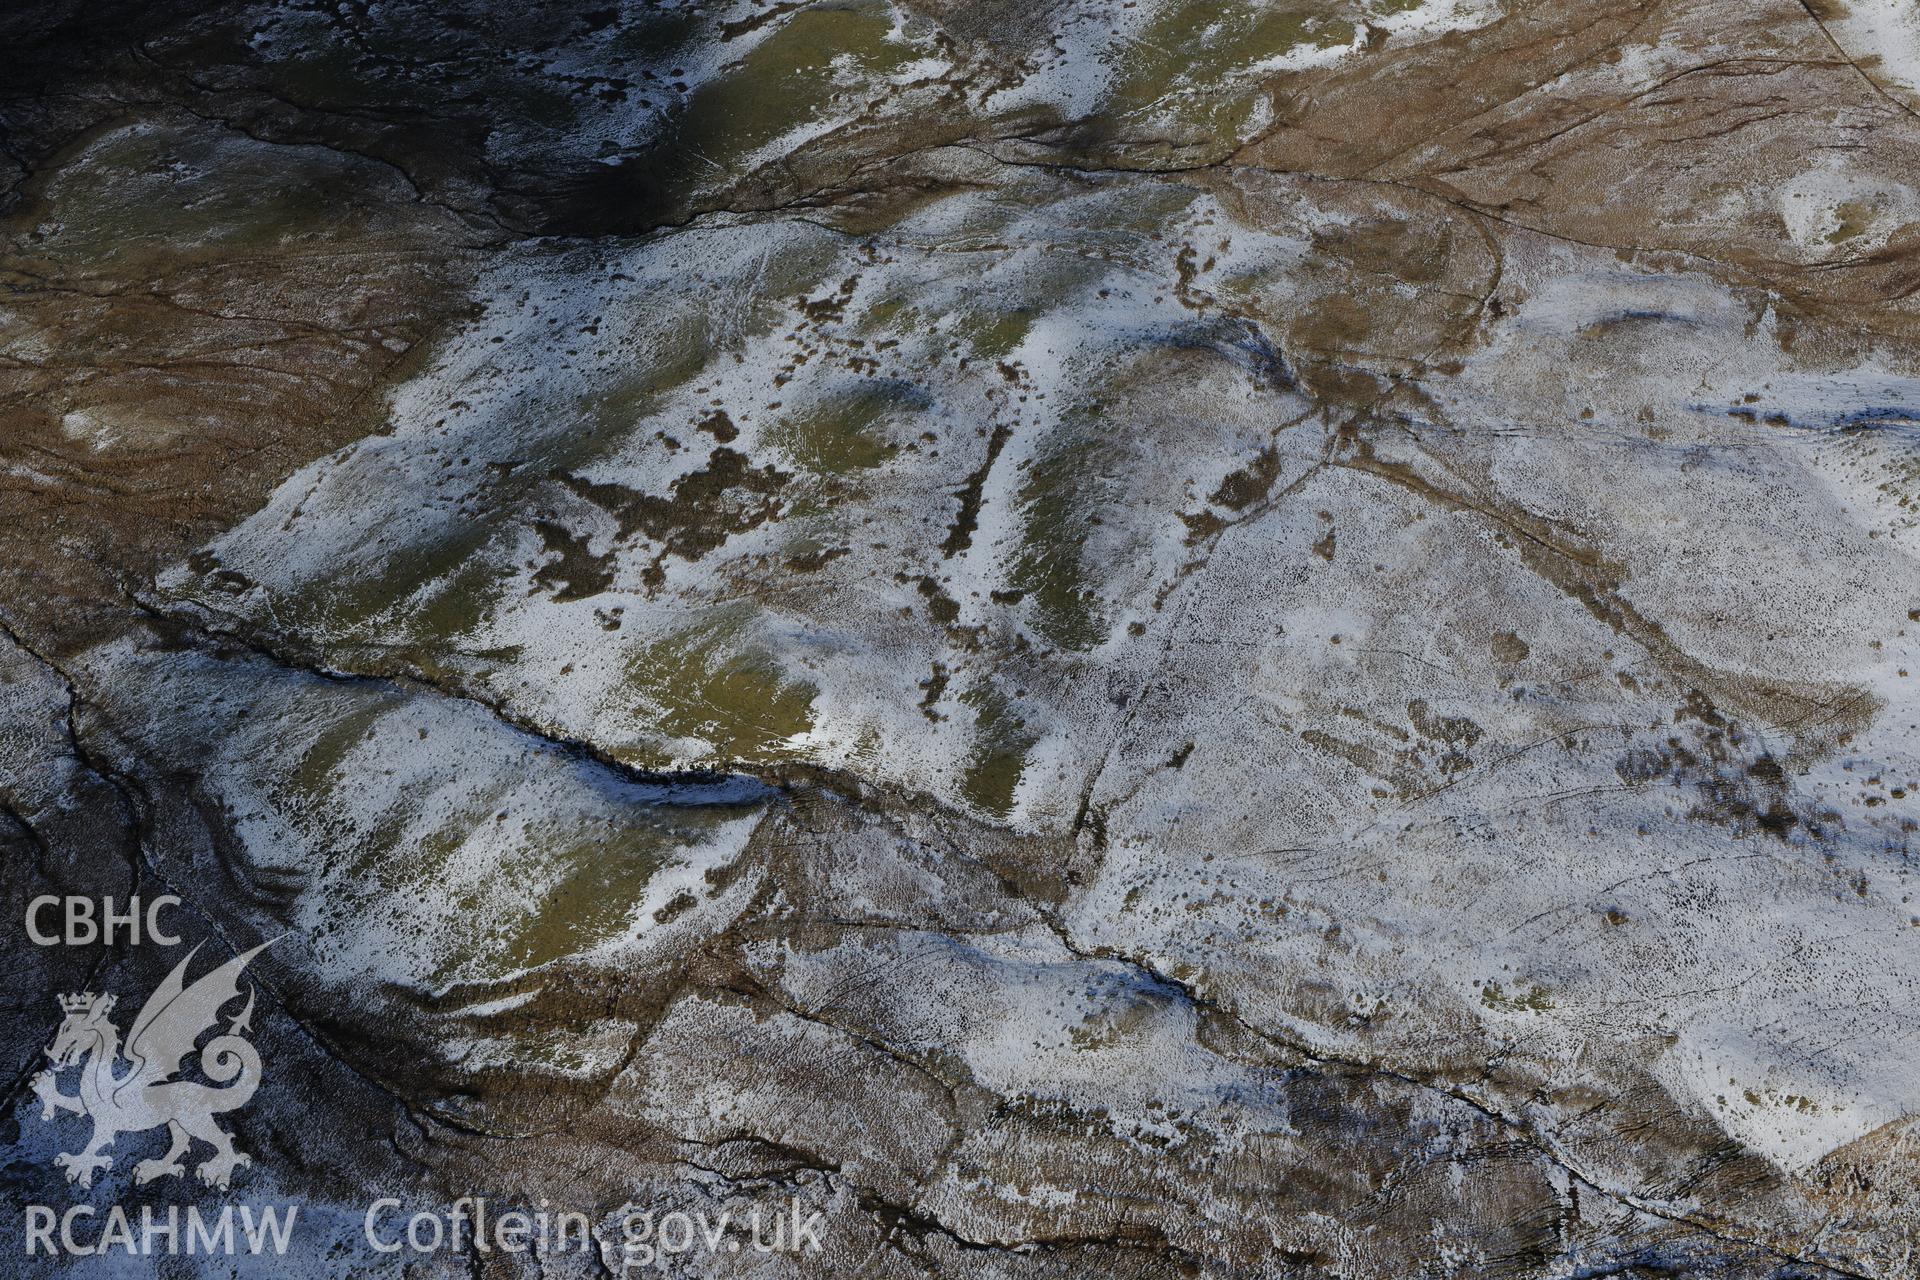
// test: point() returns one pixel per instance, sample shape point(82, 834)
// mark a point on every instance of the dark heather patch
point(1249, 484)
point(578, 573)
point(1201, 525)
point(944, 608)
point(960, 535)
point(936, 687)
point(718, 425)
point(816, 561)
point(703, 508)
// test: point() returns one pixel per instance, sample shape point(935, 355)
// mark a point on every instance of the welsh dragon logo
point(145, 1095)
